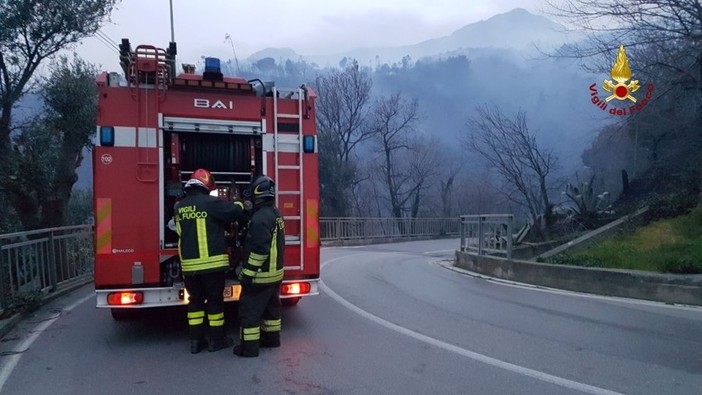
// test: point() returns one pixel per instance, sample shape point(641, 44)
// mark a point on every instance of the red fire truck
point(154, 128)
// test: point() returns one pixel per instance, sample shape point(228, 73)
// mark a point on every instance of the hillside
point(488, 62)
point(494, 62)
point(670, 245)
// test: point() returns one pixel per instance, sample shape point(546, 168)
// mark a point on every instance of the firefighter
point(261, 273)
point(201, 221)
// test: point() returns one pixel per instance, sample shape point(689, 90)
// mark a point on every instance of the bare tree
point(673, 26)
point(393, 120)
point(342, 108)
point(363, 193)
point(664, 35)
point(424, 162)
point(664, 38)
point(511, 149)
point(450, 167)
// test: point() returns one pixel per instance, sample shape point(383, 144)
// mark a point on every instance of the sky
point(310, 27)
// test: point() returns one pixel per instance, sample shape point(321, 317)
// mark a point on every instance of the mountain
point(275, 53)
point(517, 29)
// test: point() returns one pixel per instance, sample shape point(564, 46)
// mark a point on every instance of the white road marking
point(13, 359)
point(574, 385)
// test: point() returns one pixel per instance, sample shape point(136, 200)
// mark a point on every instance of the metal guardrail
point(487, 234)
point(350, 228)
point(41, 261)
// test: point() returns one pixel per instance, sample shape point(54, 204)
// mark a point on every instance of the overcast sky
point(310, 27)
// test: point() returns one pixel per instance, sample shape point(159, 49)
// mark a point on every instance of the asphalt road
point(390, 319)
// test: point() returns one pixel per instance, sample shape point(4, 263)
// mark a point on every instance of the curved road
point(391, 319)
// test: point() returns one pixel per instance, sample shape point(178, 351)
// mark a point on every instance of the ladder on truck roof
point(278, 140)
point(147, 72)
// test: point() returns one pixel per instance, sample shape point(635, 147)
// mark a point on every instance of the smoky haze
point(498, 61)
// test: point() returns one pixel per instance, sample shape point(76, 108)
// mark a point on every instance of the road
point(390, 319)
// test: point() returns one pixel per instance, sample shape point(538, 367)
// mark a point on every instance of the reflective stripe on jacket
point(265, 246)
point(201, 221)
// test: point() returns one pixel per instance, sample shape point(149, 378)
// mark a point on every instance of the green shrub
point(681, 265)
point(667, 246)
point(672, 205)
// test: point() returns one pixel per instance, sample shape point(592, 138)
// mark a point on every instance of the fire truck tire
point(290, 301)
point(123, 314)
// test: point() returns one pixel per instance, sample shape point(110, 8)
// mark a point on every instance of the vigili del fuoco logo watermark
point(622, 88)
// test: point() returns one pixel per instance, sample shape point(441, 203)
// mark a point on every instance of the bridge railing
point(366, 228)
point(41, 261)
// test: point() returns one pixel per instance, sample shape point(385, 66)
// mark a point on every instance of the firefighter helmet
point(202, 178)
point(263, 187)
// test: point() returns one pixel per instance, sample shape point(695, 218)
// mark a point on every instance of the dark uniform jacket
point(201, 220)
point(265, 247)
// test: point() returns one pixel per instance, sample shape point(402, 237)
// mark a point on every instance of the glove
point(238, 202)
point(246, 193)
point(244, 280)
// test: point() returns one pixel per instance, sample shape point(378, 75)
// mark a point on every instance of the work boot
point(246, 349)
point(216, 345)
point(197, 345)
point(270, 339)
point(196, 329)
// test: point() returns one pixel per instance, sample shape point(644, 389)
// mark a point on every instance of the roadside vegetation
point(671, 245)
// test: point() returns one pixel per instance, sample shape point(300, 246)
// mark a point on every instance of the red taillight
point(295, 288)
point(125, 298)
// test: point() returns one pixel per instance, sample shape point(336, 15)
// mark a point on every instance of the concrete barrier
point(668, 288)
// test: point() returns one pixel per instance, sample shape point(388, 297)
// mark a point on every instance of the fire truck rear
point(154, 129)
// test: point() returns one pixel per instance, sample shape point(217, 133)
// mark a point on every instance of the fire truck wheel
point(123, 314)
point(290, 301)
